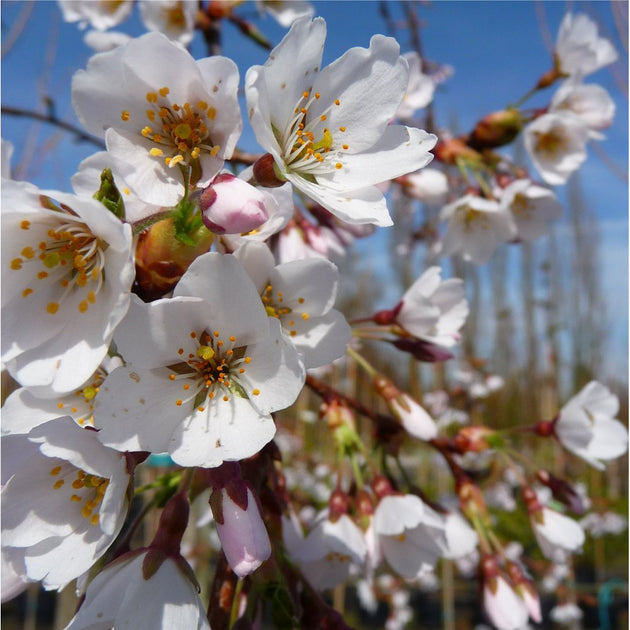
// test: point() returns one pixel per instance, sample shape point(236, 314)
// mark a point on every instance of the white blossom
point(410, 535)
point(68, 271)
point(590, 103)
point(531, 206)
point(328, 129)
point(587, 427)
point(556, 144)
point(557, 534)
point(475, 227)
point(167, 109)
point(434, 310)
point(120, 596)
point(174, 18)
point(285, 12)
point(99, 15)
point(205, 370)
point(65, 505)
point(579, 48)
point(420, 88)
point(300, 294)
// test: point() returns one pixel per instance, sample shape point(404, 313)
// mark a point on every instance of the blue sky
point(497, 50)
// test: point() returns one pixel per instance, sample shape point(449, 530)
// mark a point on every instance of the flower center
point(68, 254)
point(84, 404)
point(178, 133)
point(87, 490)
point(551, 143)
point(520, 206)
point(308, 146)
point(174, 16)
point(472, 219)
point(214, 369)
point(276, 307)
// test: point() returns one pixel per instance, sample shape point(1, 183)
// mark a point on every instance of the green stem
point(235, 602)
point(143, 224)
point(362, 362)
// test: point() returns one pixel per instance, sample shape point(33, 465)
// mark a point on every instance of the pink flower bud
point(230, 205)
point(243, 535)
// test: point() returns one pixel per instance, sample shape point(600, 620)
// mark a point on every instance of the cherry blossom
point(69, 269)
point(579, 48)
point(99, 15)
point(531, 207)
point(327, 129)
point(121, 596)
point(420, 88)
point(587, 427)
point(332, 551)
point(285, 12)
point(65, 505)
point(475, 227)
point(208, 363)
point(300, 294)
point(589, 102)
point(410, 535)
point(174, 18)
point(556, 144)
point(168, 110)
point(432, 309)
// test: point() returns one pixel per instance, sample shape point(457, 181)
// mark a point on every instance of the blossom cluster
point(174, 305)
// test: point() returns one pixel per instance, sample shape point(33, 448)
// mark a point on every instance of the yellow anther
point(152, 97)
point(146, 131)
point(56, 469)
point(91, 296)
point(212, 113)
point(178, 402)
point(186, 386)
point(337, 101)
point(174, 160)
point(16, 264)
point(27, 292)
point(94, 519)
point(345, 146)
point(226, 398)
point(52, 308)
point(28, 252)
point(194, 154)
point(202, 105)
point(58, 484)
point(171, 377)
point(304, 316)
point(323, 117)
point(342, 129)
point(215, 149)
point(247, 359)
point(338, 165)
point(76, 498)
point(25, 224)
point(164, 91)
point(83, 306)
point(150, 115)
point(125, 115)
point(256, 392)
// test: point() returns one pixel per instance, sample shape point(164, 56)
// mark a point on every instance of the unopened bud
point(454, 151)
point(162, 259)
point(266, 172)
point(338, 504)
point(496, 129)
point(230, 205)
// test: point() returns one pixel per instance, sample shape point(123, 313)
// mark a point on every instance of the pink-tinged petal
point(243, 536)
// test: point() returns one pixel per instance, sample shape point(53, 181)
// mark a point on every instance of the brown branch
point(50, 118)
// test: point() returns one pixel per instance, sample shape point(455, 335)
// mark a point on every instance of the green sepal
point(495, 441)
point(188, 224)
point(109, 195)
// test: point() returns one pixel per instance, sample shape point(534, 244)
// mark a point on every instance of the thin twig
point(53, 120)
